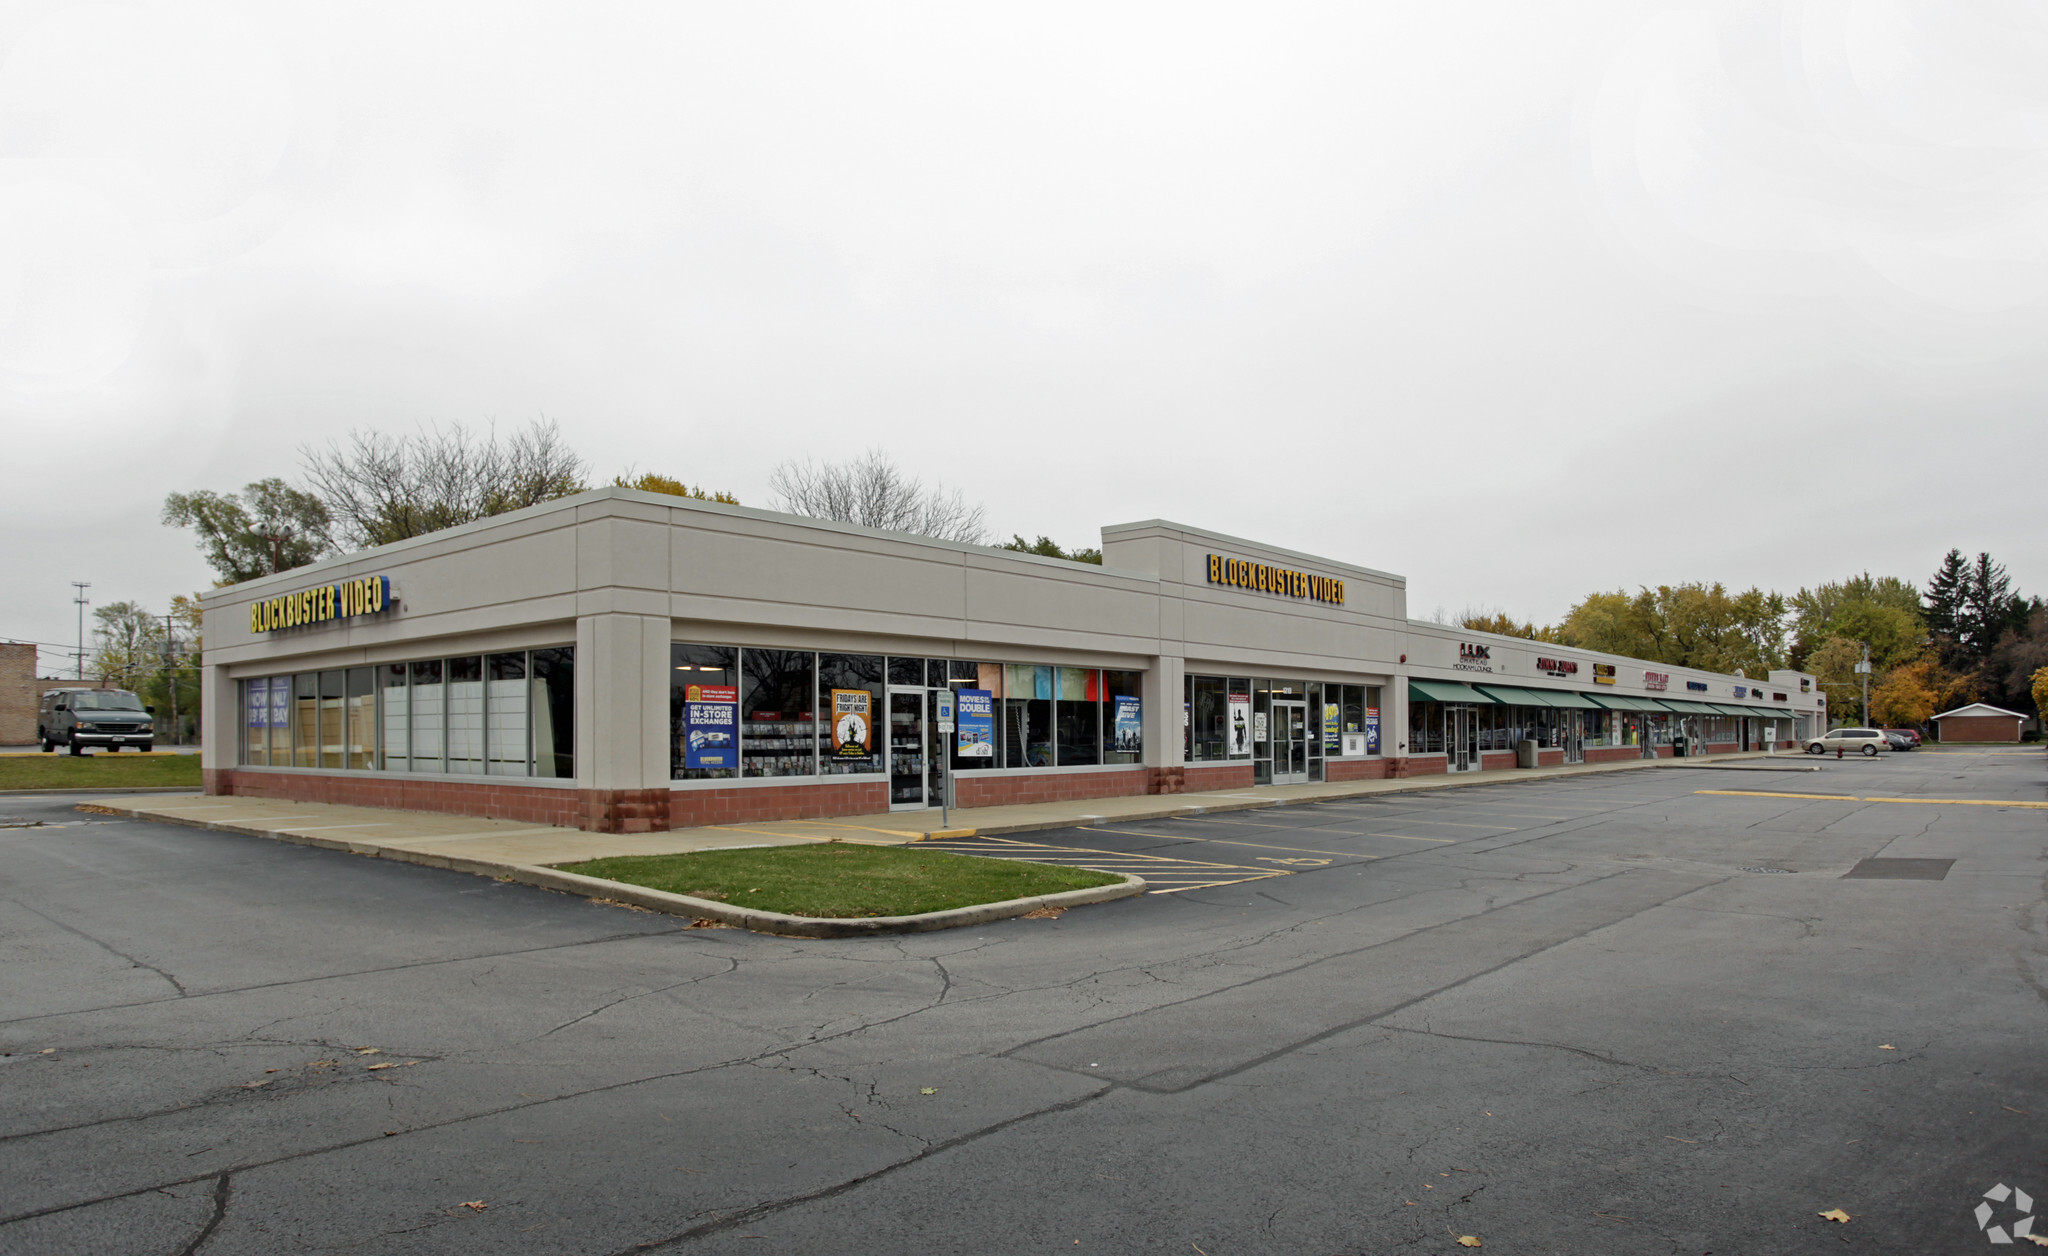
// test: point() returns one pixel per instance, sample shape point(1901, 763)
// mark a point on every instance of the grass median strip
point(835, 879)
point(98, 771)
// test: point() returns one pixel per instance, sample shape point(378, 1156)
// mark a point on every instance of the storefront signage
point(1805, 685)
point(1778, 697)
point(976, 738)
point(346, 600)
point(1332, 735)
point(1473, 657)
point(1742, 691)
point(1279, 581)
point(1241, 722)
point(1656, 680)
point(1557, 667)
point(711, 725)
point(1127, 731)
point(853, 723)
point(1697, 686)
point(1372, 730)
point(1603, 673)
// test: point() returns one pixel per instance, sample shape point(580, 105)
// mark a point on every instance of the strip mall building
point(626, 661)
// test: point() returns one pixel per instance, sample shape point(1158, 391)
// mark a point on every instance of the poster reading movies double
point(975, 733)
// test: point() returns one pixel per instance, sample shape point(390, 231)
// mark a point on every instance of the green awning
point(1566, 701)
point(1512, 696)
point(1688, 707)
point(1445, 691)
point(1722, 708)
point(1627, 702)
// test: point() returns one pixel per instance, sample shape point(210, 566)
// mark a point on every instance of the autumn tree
point(1500, 623)
point(2041, 693)
point(1908, 695)
point(649, 482)
point(269, 527)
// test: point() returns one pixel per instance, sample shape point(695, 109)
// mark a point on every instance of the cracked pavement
point(1558, 1015)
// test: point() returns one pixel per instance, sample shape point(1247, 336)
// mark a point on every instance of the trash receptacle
point(1678, 747)
point(1525, 754)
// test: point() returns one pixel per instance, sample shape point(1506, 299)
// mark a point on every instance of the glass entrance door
point(1290, 742)
point(1462, 733)
point(1574, 736)
point(907, 756)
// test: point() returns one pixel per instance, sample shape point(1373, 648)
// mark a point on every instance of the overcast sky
point(1520, 301)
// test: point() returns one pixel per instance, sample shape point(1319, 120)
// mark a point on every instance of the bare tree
point(381, 488)
point(873, 492)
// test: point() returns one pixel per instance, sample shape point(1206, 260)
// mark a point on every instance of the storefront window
point(464, 715)
point(427, 704)
point(1078, 717)
point(397, 712)
point(1027, 716)
point(505, 707)
point(1123, 721)
point(709, 677)
point(330, 725)
point(361, 713)
point(1425, 728)
point(978, 737)
point(1209, 736)
point(853, 675)
point(554, 712)
point(906, 671)
point(778, 724)
point(256, 722)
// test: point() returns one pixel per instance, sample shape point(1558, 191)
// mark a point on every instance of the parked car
point(1865, 741)
point(1898, 740)
point(1910, 734)
point(94, 717)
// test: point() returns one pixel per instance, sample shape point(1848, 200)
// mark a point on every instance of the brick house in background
point(1980, 721)
point(21, 692)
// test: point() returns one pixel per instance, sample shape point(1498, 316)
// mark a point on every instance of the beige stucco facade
point(619, 575)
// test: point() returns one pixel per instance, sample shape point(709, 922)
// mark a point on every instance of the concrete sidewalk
point(497, 847)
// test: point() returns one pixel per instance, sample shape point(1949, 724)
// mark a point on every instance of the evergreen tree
point(1944, 607)
point(1989, 610)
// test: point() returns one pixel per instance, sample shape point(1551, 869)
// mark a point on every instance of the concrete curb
point(679, 904)
point(101, 791)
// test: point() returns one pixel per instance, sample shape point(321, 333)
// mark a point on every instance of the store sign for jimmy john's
point(345, 600)
point(1278, 581)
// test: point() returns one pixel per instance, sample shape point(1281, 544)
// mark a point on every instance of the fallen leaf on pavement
point(1836, 1214)
point(475, 1205)
point(254, 1085)
point(1886, 1046)
point(47, 1051)
point(1468, 1240)
point(368, 1050)
point(391, 1064)
point(1044, 913)
point(2035, 1239)
point(927, 1090)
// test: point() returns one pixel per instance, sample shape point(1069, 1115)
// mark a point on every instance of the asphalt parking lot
point(1646, 1011)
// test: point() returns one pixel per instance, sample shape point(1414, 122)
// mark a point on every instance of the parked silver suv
point(94, 717)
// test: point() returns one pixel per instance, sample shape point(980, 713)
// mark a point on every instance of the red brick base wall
point(592, 809)
point(1612, 754)
point(1355, 770)
point(1493, 760)
point(1419, 765)
point(1723, 747)
point(1221, 776)
point(1979, 728)
point(693, 808)
point(1550, 758)
point(1010, 788)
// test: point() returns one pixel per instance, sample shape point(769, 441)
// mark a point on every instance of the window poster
point(1332, 734)
point(1127, 733)
point(1372, 730)
point(711, 726)
point(975, 728)
point(1240, 723)
point(853, 723)
point(280, 702)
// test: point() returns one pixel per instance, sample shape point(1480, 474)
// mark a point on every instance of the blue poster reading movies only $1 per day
point(711, 726)
point(975, 725)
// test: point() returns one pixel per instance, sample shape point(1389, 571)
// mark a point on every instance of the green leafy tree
point(1882, 612)
point(1833, 664)
point(1687, 625)
point(269, 527)
point(1049, 548)
point(649, 482)
point(381, 488)
point(126, 643)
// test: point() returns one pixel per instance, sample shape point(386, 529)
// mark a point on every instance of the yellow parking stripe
point(1925, 802)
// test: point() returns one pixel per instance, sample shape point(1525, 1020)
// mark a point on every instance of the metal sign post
point(942, 712)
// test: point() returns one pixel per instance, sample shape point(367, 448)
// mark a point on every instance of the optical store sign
point(370, 595)
point(1278, 581)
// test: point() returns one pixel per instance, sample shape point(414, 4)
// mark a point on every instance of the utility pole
point(171, 674)
point(1863, 670)
point(81, 586)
